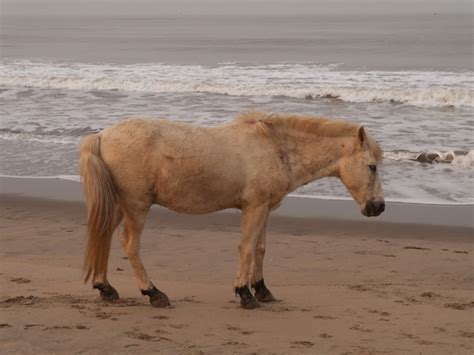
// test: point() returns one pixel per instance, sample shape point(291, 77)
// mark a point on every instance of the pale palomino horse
point(250, 164)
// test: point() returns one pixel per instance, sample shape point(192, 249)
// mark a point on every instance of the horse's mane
point(319, 126)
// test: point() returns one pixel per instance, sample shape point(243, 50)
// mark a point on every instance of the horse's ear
point(362, 136)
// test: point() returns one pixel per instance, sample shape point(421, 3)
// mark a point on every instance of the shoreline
point(293, 206)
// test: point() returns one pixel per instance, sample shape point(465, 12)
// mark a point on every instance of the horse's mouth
point(373, 209)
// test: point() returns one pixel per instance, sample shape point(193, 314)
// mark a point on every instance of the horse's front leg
point(262, 293)
point(253, 221)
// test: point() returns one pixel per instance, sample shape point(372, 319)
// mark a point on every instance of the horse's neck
point(312, 158)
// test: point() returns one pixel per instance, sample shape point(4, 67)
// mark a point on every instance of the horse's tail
point(102, 212)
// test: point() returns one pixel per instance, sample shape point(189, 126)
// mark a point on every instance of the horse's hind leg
point(262, 293)
point(134, 223)
point(107, 292)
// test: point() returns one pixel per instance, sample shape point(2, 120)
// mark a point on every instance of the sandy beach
point(344, 287)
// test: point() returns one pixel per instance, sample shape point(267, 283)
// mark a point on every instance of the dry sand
point(343, 287)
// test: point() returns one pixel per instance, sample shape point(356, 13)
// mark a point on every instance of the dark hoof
point(262, 293)
point(247, 301)
point(157, 298)
point(107, 292)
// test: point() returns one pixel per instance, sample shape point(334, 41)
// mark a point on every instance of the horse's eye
point(373, 168)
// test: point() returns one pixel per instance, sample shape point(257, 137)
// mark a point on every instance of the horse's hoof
point(265, 297)
point(160, 301)
point(249, 304)
point(157, 298)
point(247, 301)
point(107, 292)
point(262, 293)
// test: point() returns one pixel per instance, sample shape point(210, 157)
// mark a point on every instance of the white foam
point(30, 137)
point(426, 89)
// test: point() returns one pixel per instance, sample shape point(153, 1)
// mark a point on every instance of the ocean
point(406, 75)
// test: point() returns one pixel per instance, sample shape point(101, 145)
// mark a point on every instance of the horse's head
point(359, 172)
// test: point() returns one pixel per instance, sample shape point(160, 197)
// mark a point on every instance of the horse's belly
point(196, 196)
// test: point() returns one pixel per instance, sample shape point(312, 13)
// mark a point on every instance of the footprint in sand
point(20, 280)
point(358, 288)
point(360, 329)
point(19, 300)
point(160, 317)
point(415, 248)
point(466, 334)
point(383, 314)
point(429, 294)
point(459, 306)
point(305, 343)
point(146, 337)
point(237, 329)
point(234, 343)
point(5, 325)
point(325, 336)
point(57, 327)
point(319, 316)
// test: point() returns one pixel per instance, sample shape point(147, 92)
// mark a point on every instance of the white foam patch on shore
point(305, 81)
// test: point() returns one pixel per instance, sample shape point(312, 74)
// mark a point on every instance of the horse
point(250, 163)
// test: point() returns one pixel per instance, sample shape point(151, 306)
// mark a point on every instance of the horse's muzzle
point(373, 208)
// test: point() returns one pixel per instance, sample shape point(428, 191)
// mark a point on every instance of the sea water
point(405, 75)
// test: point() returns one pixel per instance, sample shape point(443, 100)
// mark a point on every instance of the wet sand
point(343, 287)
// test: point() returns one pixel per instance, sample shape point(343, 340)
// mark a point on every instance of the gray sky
point(240, 7)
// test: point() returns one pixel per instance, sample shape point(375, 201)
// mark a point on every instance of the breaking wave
point(304, 81)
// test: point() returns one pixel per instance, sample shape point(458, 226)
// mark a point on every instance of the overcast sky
point(240, 7)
